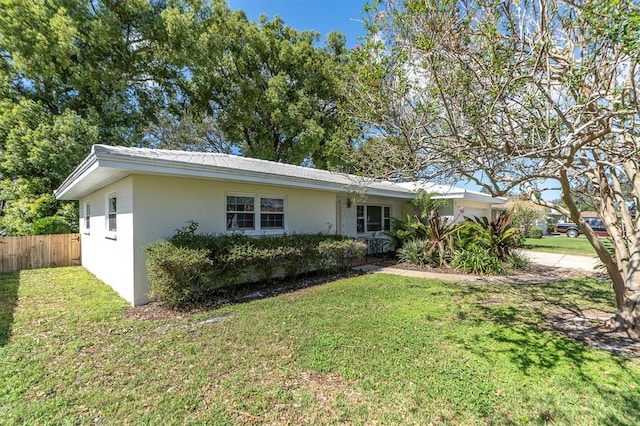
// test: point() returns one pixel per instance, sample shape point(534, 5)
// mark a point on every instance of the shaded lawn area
point(561, 244)
point(375, 349)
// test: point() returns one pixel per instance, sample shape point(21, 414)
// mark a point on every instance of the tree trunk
point(628, 317)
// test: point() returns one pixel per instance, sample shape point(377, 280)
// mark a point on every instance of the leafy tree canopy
point(175, 74)
point(270, 91)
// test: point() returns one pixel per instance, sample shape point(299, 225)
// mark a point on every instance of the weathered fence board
point(39, 251)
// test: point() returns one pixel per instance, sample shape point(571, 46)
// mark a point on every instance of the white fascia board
point(117, 164)
point(84, 169)
point(175, 168)
point(483, 198)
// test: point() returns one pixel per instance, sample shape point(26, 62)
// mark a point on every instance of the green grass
point(375, 349)
point(561, 244)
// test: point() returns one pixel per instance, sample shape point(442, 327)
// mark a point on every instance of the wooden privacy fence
point(39, 251)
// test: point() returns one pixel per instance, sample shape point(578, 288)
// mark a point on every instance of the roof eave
point(130, 165)
point(87, 166)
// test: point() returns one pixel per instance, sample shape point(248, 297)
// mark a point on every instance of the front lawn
point(561, 244)
point(374, 349)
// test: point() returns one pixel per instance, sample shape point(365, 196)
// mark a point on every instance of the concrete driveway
point(568, 261)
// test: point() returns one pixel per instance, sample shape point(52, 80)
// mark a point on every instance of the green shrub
point(341, 253)
point(499, 236)
point(477, 260)
point(50, 225)
point(188, 268)
point(177, 274)
point(533, 232)
point(401, 232)
point(517, 260)
point(414, 251)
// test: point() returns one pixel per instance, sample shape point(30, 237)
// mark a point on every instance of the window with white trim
point(112, 213)
point(87, 217)
point(271, 213)
point(242, 215)
point(373, 218)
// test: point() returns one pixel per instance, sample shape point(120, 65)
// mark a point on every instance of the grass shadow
point(521, 334)
point(9, 283)
point(523, 311)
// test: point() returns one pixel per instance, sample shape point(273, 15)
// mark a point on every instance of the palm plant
point(497, 236)
point(438, 234)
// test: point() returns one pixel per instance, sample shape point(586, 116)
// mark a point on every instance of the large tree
point(177, 74)
point(72, 73)
point(271, 91)
point(536, 94)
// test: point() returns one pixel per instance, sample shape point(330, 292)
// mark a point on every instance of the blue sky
point(322, 16)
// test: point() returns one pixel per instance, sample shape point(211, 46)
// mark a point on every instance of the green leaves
point(272, 92)
point(37, 143)
point(186, 74)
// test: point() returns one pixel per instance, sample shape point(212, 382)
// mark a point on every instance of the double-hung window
point(373, 218)
point(255, 213)
point(240, 213)
point(112, 215)
point(271, 213)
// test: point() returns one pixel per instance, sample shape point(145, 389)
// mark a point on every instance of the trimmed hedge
point(188, 268)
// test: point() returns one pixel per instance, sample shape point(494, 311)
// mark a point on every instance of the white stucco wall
point(151, 207)
point(164, 204)
point(473, 208)
point(110, 257)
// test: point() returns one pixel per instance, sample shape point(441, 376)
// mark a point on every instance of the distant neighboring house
point(132, 196)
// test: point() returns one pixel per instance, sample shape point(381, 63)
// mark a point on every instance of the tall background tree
point(271, 92)
point(534, 94)
point(170, 74)
point(74, 73)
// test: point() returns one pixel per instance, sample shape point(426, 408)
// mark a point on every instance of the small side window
point(87, 217)
point(387, 219)
point(360, 219)
point(112, 215)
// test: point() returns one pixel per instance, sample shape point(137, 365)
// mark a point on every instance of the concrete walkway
point(563, 262)
point(568, 261)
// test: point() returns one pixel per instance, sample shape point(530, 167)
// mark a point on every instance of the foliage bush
point(475, 245)
point(414, 251)
point(499, 236)
point(525, 214)
point(401, 232)
point(188, 268)
point(177, 274)
point(477, 260)
point(533, 232)
point(426, 205)
point(517, 260)
point(50, 225)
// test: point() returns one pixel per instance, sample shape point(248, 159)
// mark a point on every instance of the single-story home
point(132, 196)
